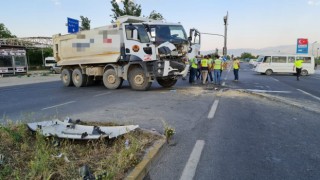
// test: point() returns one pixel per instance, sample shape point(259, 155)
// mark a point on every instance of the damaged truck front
point(135, 49)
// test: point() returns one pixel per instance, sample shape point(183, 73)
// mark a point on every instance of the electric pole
point(225, 20)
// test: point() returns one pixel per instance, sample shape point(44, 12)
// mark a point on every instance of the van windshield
point(260, 58)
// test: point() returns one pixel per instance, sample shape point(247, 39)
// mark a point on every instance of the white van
point(50, 62)
point(268, 64)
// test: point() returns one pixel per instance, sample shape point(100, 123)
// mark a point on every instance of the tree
point(129, 8)
point(246, 55)
point(156, 16)
point(85, 23)
point(4, 32)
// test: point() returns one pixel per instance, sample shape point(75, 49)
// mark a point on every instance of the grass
point(30, 155)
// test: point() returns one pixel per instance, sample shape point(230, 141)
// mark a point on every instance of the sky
point(252, 23)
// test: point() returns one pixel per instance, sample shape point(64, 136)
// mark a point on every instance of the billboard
point(302, 46)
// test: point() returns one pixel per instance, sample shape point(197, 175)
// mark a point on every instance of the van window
point(307, 60)
point(279, 59)
point(267, 59)
point(291, 59)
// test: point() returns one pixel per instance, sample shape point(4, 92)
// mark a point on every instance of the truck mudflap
point(170, 68)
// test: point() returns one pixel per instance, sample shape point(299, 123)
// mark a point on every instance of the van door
point(138, 46)
point(279, 64)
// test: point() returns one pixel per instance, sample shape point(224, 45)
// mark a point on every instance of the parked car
point(56, 69)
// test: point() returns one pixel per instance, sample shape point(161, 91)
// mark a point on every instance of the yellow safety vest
point(235, 65)
point(204, 62)
point(298, 63)
point(217, 64)
point(193, 63)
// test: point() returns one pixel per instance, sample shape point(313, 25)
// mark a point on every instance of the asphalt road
point(226, 135)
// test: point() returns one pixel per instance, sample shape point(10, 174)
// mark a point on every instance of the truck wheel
point(111, 80)
point(304, 72)
point(138, 80)
point(269, 72)
point(78, 78)
point(166, 82)
point(66, 77)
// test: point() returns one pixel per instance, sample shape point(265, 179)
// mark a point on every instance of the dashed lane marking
point(191, 166)
point(309, 94)
point(275, 79)
point(213, 109)
point(102, 94)
point(58, 105)
point(267, 91)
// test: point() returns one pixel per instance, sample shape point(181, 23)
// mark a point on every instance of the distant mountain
point(287, 49)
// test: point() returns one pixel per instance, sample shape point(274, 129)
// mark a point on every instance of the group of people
point(202, 67)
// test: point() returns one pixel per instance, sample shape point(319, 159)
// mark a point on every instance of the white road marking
point(101, 94)
point(267, 91)
point(315, 77)
point(275, 79)
point(58, 105)
point(309, 94)
point(213, 109)
point(190, 169)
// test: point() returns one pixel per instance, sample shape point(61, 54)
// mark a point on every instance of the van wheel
point(269, 72)
point(111, 80)
point(166, 82)
point(138, 80)
point(304, 72)
point(66, 75)
point(78, 78)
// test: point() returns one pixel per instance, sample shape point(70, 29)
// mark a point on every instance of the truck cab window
point(138, 33)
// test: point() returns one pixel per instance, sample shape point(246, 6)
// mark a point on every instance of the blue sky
point(252, 23)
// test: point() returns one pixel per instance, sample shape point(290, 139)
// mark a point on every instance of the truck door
point(137, 43)
point(194, 38)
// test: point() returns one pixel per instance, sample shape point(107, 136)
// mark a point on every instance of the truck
point(135, 49)
point(13, 61)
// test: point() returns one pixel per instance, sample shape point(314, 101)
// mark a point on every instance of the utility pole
point(225, 20)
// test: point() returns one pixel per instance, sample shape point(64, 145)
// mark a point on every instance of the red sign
point(302, 41)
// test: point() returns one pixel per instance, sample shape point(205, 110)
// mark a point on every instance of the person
point(204, 69)
point(210, 68)
point(236, 67)
point(217, 70)
point(298, 66)
point(193, 70)
point(198, 74)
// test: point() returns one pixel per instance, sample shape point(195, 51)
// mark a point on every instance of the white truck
point(136, 49)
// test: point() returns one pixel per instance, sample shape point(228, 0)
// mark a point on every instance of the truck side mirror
point(153, 32)
point(190, 38)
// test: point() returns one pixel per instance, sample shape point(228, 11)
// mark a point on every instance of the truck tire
point(166, 83)
point(111, 80)
point(304, 72)
point(138, 80)
point(78, 78)
point(66, 76)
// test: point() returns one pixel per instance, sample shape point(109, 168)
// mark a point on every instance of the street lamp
point(225, 20)
point(317, 52)
point(313, 45)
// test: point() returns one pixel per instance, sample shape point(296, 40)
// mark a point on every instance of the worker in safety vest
point(204, 69)
point(217, 70)
point(193, 69)
point(210, 68)
point(236, 67)
point(298, 66)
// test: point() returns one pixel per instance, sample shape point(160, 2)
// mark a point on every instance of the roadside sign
point(73, 25)
point(302, 46)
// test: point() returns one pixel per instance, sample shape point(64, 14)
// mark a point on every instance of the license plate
point(20, 70)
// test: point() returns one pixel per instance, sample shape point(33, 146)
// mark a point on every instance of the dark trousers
point(192, 76)
point(298, 72)
point(198, 73)
point(236, 74)
point(210, 76)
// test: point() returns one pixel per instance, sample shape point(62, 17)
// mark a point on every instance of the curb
point(141, 170)
point(282, 100)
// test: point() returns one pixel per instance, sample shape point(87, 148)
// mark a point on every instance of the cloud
point(56, 2)
point(313, 3)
